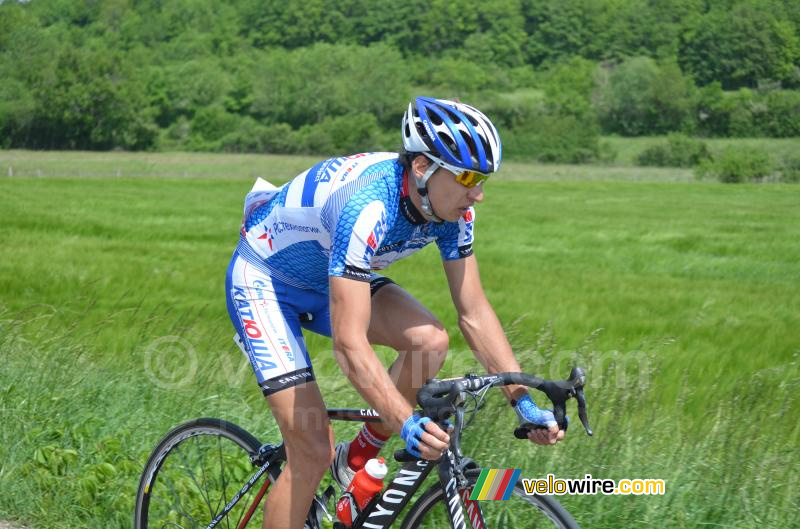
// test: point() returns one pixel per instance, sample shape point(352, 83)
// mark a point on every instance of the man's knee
point(310, 451)
point(436, 342)
point(434, 346)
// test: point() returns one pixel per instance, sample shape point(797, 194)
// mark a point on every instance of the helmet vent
point(486, 149)
point(451, 145)
point(468, 140)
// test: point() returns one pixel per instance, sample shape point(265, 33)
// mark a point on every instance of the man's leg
point(399, 321)
point(308, 437)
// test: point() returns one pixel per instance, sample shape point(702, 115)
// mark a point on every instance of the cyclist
point(306, 259)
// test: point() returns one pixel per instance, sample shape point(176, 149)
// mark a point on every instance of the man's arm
point(485, 335)
point(350, 307)
point(478, 321)
point(350, 315)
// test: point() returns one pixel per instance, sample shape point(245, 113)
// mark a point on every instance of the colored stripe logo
point(495, 484)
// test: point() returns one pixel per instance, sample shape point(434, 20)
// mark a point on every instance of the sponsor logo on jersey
point(359, 274)
point(294, 378)
point(327, 170)
point(377, 234)
point(468, 233)
point(268, 236)
point(415, 243)
point(259, 287)
point(270, 386)
point(467, 216)
point(282, 226)
point(260, 355)
point(287, 351)
point(391, 247)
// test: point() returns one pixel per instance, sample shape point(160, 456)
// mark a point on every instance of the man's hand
point(548, 432)
point(424, 438)
point(549, 436)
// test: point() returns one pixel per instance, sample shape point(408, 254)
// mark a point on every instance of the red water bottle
point(365, 485)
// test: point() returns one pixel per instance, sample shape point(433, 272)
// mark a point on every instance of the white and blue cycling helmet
point(456, 136)
point(453, 135)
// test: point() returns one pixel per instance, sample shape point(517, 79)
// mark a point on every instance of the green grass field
point(681, 298)
point(627, 149)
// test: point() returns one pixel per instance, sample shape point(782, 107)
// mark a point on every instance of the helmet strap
point(422, 189)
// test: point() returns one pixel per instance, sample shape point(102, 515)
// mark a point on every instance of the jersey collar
point(408, 208)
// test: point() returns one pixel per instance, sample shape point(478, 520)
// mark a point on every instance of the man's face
point(450, 199)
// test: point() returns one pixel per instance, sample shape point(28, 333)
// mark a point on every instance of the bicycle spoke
point(176, 506)
point(224, 496)
point(187, 478)
point(193, 476)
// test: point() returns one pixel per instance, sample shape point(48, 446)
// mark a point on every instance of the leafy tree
point(569, 87)
point(640, 97)
point(742, 45)
point(91, 102)
point(309, 84)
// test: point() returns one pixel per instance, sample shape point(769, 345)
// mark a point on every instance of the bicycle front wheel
point(520, 510)
point(192, 475)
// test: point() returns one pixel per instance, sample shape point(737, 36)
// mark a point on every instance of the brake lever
point(559, 393)
point(582, 411)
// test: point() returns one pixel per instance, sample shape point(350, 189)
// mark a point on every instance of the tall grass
point(682, 300)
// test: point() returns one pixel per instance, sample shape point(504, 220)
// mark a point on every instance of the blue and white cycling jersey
point(343, 217)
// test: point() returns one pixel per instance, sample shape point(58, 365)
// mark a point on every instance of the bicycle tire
point(430, 510)
point(185, 449)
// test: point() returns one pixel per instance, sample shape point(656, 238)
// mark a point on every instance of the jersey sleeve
point(456, 241)
point(359, 232)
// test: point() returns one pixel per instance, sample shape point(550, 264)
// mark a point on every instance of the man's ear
point(419, 165)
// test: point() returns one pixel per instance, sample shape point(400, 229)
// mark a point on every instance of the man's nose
point(476, 193)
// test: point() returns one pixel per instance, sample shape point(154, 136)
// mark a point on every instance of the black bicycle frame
point(382, 511)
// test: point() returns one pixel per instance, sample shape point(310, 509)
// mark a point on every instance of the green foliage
point(641, 97)
point(153, 75)
point(741, 44)
point(569, 86)
point(324, 80)
point(677, 151)
point(790, 169)
point(554, 139)
point(734, 166)
point(748, 113)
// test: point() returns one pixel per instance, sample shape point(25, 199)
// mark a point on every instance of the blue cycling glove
point(529, 412)
point(412, 432)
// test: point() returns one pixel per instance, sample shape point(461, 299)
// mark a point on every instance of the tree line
point(325, 76)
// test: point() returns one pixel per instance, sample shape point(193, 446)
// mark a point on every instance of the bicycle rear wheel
point(520, 511)
point(194, 472)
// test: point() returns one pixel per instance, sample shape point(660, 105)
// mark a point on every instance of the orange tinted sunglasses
point(470, 178)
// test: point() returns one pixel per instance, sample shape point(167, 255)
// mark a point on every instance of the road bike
point(209, 473)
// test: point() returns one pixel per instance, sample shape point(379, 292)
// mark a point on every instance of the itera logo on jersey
point(377, 234)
